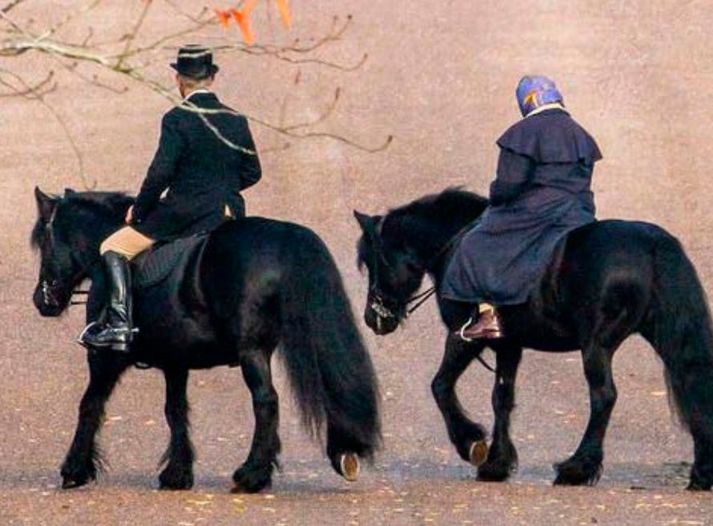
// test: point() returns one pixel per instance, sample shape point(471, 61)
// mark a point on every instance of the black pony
point(257, 285)
point(609, 280)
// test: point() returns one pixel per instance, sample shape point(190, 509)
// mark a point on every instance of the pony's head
point(67, 234)
point(395, 273)
point(399, 248)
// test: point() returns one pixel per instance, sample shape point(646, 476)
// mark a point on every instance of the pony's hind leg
point(468, 437)
point(689, 375)
point(256, 472)
point(178, 473)
point(83, 459)
point(502, 457)
point(585, 465)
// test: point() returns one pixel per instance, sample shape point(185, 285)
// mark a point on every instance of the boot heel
point(120, 347)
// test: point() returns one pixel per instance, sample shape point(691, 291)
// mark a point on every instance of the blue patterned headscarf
point(535, 90)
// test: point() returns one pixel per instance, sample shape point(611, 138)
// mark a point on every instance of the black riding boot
point(117, 332)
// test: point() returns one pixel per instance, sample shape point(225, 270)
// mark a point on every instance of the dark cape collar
point(551, 136)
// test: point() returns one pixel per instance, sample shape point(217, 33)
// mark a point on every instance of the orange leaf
point(284, 13)
point(243, 20)
point(223, 17)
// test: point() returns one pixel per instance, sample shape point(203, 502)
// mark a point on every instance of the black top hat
point(196, 62)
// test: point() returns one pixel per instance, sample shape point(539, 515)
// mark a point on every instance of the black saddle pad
point(155, 265)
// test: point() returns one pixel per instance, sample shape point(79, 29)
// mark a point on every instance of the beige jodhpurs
point(126, 241)
point(129, 242)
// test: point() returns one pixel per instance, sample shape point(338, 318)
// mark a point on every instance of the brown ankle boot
point(486, 327)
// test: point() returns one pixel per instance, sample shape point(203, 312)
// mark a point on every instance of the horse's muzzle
point(48, 300)
point(380, 319)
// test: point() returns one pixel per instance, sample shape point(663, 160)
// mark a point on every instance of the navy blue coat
point(542, 191)
point(201, 172)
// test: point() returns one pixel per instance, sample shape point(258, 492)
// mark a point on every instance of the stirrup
point(80, 338)
point(114, 346)
point(461, 332)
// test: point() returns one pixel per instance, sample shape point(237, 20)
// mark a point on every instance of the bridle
point(46, 285)
point(49, 298)
point(383, 312)
point(378, 303)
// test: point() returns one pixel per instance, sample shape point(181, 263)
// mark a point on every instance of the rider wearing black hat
point(205, 157)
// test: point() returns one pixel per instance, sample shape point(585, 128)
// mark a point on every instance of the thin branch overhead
point(127, 56)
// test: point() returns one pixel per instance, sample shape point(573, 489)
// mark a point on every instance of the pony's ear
point(366, 222)
point(45, 204)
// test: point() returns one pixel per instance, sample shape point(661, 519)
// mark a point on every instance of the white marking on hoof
point(478, 452)
point(349, 466)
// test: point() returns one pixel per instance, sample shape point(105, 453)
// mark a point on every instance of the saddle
point(153, 266)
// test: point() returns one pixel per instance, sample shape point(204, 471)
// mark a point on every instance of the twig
point(334, 35)
point(94, 81)
point(23, 40)
point(195, 19)
point(134, 33)
point(281, 54)
point(36, 88)
point(323, 117)
point(34, 95)
point(11, 6)
point(70, 17)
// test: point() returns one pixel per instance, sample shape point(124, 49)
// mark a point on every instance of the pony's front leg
point(178, 473)
point(83, 459)
point(502, 457)
point(585, 465)
point(256, 473)
point(467, 436)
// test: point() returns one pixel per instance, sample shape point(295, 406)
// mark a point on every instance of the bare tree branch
point(281, 54)
point(195, 19)
point(42, 87)
point(70, 17)
point(28, 91)
point(9, 7)
point(134, 32)
point(321, 118)
point(126, 59)
point(93, 80)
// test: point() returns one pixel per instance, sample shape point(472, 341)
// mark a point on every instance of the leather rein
point(419, 299)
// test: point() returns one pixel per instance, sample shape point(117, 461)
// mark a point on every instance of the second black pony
point(256, 285)
point(609, 280)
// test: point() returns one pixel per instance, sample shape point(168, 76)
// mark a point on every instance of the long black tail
point(328, 366)
point(679, 327)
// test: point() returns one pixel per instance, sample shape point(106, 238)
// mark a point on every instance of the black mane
point(88, 208)
point(426, 223)
point(452, 203)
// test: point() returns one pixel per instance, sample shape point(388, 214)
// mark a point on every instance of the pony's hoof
point(76, 477)
point(251, 479)
point(349, 466)
point(701, 479)
point(69, 483)
point(478, 452)
point(577, 473)
point(175, 479)
point(695, 486)
point(251, 487)
point(496, 471)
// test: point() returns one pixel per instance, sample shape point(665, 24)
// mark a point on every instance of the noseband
point(378, 306)
point(47, 296)
point(46, 286)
